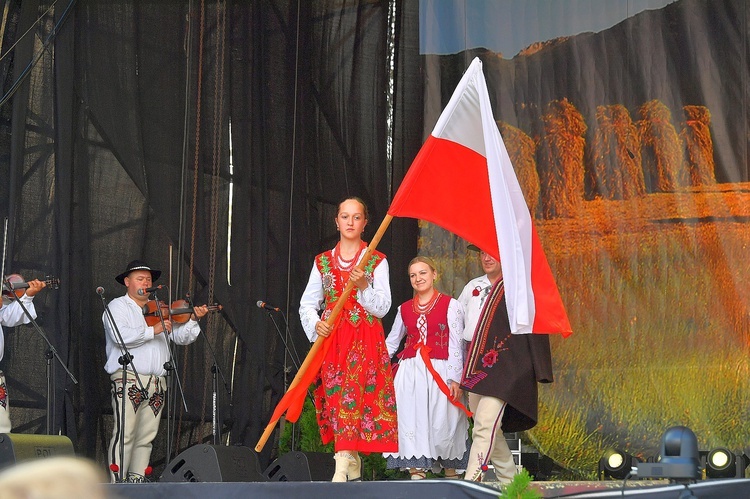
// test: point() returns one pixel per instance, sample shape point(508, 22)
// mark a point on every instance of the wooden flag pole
point(330, 321)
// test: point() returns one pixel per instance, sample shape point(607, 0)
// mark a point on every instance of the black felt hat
point(137, 265)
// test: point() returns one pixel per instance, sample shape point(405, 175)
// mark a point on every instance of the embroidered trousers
point(4, 406)
point(141, 423)
point(488, 442)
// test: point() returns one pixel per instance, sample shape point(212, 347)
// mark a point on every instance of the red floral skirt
point(354, 397)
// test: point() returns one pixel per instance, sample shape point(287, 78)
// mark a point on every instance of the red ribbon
point(424, 353)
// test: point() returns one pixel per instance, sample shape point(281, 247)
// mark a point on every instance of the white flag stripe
point(512, 218)
point(458, 121)
point(468, 120)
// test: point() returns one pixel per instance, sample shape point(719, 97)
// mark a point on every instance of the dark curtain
point(129, 101)
point(309, 90)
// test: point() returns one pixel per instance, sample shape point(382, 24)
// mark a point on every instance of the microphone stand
point(125, 358)
point(171, 367)
point(51, 407)
point(5, 246)
point(293, 355)
point(215, 419)
point(51, 351)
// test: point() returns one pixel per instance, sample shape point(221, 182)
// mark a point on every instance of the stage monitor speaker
point(17, 447)
point(299, 466)
point(214, 463)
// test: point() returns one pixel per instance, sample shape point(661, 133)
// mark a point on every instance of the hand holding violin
point(180, 312)
point(35, 286)
point(14, 285)
point(199, 312)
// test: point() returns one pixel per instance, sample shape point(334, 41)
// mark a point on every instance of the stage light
point(723, 463)
point(679, 457)
point(615, 463)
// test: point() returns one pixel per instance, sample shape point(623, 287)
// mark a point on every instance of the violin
point(16, 286)
point(179, 312)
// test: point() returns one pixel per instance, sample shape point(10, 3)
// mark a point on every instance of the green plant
point(519, 488)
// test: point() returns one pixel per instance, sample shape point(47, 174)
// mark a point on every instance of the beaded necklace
point(425, 309)
point(342, 263)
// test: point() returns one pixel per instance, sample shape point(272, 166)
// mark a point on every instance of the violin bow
point(169, 289)
point(5, 247)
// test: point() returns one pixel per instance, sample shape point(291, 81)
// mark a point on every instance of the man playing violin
point(150, 352)
point(11, 315)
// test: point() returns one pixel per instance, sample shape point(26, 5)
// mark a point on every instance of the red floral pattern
point(484, 351)
point(135, 395)
point(334, 280)
point(489, 358)
point(355, 401)
point(354, 398)
point(138, 397)
point(156, 402)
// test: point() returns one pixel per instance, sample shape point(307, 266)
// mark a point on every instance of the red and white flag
point(463, 180)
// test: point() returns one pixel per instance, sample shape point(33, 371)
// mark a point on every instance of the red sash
point(424, 352)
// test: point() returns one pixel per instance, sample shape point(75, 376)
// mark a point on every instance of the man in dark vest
point(501, 374)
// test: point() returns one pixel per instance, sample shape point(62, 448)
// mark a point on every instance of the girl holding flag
point(354, 397)
point(432, 422)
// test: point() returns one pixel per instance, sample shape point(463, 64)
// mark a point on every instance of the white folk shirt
point(376, 298)
point(12, 315)
point(149, 351)
point(454, 364)
point(473, 303)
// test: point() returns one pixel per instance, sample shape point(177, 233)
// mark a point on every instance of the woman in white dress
point(432, 421)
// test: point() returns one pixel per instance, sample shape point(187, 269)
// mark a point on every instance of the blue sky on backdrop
point(508, 26)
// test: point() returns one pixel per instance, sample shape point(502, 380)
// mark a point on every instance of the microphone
point(150, 290)
point(262, 304)
point(100, 291)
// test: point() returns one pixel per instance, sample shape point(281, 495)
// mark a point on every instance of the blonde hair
point(424, 259)
point(427, 261)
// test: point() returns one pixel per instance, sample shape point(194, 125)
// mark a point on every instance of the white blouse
point(455, 361)
point(375, 299)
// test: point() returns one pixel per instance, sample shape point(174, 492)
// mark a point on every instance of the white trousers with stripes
point(140, 423)
point(488, 442)
point(4, 406)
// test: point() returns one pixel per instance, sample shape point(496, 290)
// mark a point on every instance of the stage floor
point(434, 489)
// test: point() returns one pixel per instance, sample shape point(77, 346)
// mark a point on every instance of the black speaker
point(299, 466)
point(214, 463)
point(16, 447)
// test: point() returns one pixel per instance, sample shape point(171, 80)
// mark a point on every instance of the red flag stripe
point(444, 172)
point(462, 180)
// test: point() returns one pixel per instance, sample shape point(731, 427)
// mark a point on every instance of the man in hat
point(500, 374)
point(475, 292)
point(150, 352)
point(11, 315)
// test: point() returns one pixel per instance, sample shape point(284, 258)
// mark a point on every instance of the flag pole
point(330, 321)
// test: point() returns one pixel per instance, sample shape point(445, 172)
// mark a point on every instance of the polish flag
point(463, 180)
